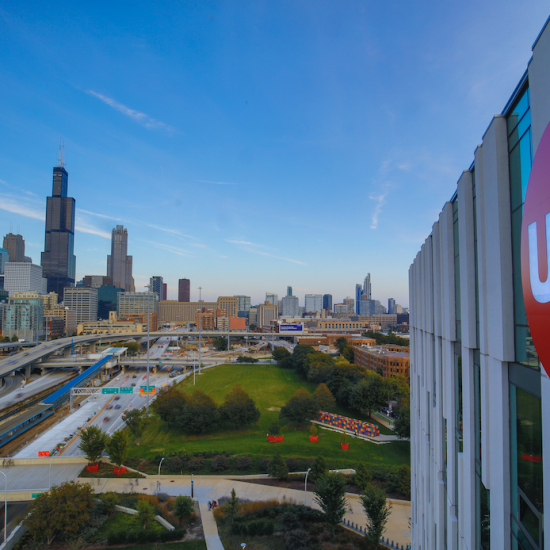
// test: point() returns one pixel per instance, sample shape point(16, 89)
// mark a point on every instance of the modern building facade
point(271, 298)
point(97, 281)
point(243, 302)
point(290, 306)
point(171, 311)
point(480, 399)
point(289, 291)
point(164, 291)
point(24, 318)
point(83, 301)
point(156, 285)
point(327, 301)
point(4, 259)
point(15, 245)
point(367, 291)
point(313, 303)
point(58, 259)
point(184, 290)
point(391, 306)
point(358, 297)
point(24, 277)
point(386, 360)
point(119, 264)
point(350, 303)
point(230, 304)
point(266, 314)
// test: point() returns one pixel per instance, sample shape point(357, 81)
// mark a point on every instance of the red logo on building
point(535, 251)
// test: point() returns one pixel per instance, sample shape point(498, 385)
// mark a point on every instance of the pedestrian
point(209, 506)
point(137, 481)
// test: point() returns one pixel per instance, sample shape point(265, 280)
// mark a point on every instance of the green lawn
point(186, 545)
point(270, 387)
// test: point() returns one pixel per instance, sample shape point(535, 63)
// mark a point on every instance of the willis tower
point(58, 259)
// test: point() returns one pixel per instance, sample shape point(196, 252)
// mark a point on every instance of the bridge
point(35, 356)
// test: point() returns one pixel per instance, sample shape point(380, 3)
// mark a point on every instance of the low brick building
point(386, 361)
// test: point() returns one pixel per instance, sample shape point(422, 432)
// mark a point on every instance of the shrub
point(108, 503)
point(318, 468)
point(298, 539)
point(274, 428)
point(278, 468)
point(196, 463)
point(220, 463)
point(293, 464)
point(163, 497)
point(264, 464)
point(243, 463)
point(174, 464)
point(184, 507)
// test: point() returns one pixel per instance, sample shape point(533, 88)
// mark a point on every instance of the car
point(107, 419)
point(144, 377)
point(109, 407)
point(134, 376)
point(117, 406)
point(133, 385)
point(117, 397)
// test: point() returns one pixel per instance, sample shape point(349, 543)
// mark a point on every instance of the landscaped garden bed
point(107, 471)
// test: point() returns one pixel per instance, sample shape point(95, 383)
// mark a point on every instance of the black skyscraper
point(58, 259)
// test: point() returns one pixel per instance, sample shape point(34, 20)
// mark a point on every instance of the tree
point(396, 387)
point(377, 511)
point(92, 443)
point(184, 507)
point(367, 395)
point(330, 495)
point(239, 408)
point(15, 338)
point(232, 505)
point(220, 343)
point(199, 415)
point(319, 468)
point(287, 363)
point(300, 358)
point(169, 402)
point(146, 512)
point(136, 419)
point(320, 367)
point(109, 501)
point(301, 408)
point(280, 353)
point(340, 344)
point(277, 467)
point(362, 476)
point(62, 511)
point(402, 424)
point(324, 397)
point(274, 428)
point(117, 447)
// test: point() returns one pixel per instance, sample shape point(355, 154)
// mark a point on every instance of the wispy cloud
point(140, 118)
point(380, 202)
point(98, 215)
point(168, 230)
point(254, 248)
point(169, 248)
point(219, 182)
point(85, 227)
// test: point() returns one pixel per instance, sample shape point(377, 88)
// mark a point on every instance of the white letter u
point(540, 290)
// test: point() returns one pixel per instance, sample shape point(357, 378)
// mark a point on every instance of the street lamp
point(5, 506)
point(305, 487)
point(158, 482)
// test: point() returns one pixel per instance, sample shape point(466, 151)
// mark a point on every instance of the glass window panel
point(518, 111)
point(526, 162)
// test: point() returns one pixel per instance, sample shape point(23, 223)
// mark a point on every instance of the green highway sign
point(34, 495)
point(127, 390)
point(109, 390)
point(143, 389)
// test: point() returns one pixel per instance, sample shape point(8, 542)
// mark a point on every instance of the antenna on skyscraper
point(63, 159)
point(59, 155)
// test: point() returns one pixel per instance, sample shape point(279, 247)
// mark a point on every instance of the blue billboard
point(290, 328)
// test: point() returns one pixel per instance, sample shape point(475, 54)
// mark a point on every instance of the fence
point(386, 542)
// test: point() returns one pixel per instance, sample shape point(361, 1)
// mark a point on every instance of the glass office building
point(58, 259)
point(480, 400)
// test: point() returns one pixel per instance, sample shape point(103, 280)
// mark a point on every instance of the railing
point(386, 542)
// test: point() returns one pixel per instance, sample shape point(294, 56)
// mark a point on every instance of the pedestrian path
point(214, 487)
point(211, 537)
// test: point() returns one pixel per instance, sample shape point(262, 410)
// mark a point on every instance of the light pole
point(305, 487)
point(158, 482)
point(5, 506)
point(148, 332)
point(200, 326)
point(50, 474)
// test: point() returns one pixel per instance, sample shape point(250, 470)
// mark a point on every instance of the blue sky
point(252, 145)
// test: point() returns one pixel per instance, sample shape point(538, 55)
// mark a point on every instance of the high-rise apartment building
point(358, 297)
point(24, 318)
point(164, 291)
point(271, 298)
point(314, 303)
point(350, 303)
point(83, 301)
point(266, 314)
point(367, 288)
point(480, 391)
point(243, 302)
point(155, 284)
point(119, 264)
point(229, 304)
point(327, 301)
point(391, 306)
point(58, 259)
point(15, 245)
point(4, 259)
point(24, 277)
point(290, 306)
point(135, 303)
point(184, 290)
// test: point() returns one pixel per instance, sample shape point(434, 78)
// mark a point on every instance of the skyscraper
point(391, 305)
point(290, 306)
point(58, 259)
point(327, 301)
point(119, 264)
point(358, 296)
point(15, 245)
point(156, 283)
point(314, 303)
point(271, 298)
point(289, 291)
point(164, 291)
point(366, 287)
point(244, 302)
point(184, 290)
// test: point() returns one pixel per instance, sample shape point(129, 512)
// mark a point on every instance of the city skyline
point(220, 123)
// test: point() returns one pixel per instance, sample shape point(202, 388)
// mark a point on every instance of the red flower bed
point(119, 470)
point(314, 439)
point(93, 467)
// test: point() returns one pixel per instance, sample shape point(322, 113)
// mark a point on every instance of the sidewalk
point(214, 487)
